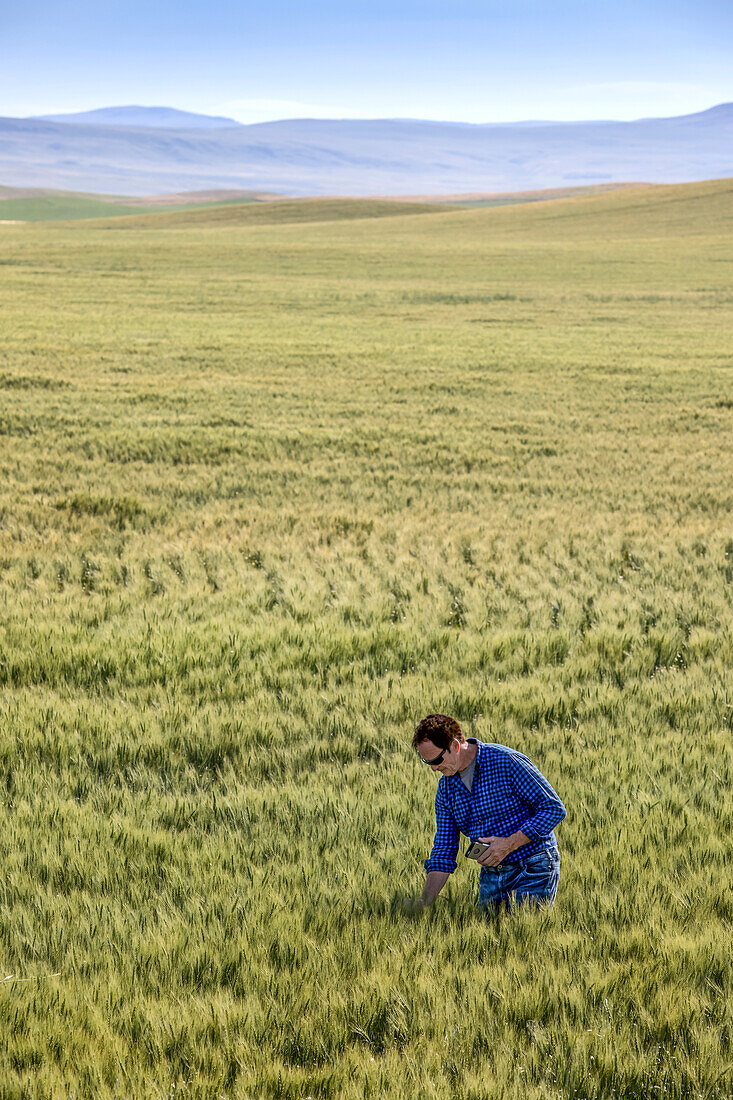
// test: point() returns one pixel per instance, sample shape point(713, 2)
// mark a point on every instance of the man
point(495, 795)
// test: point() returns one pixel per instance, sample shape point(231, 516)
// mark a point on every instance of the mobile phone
point(476, 849)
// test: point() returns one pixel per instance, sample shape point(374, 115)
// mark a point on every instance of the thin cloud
point(634, 99)
point(262, 110)
point(634, 87)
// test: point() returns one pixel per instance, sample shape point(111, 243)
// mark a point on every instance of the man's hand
point(434, 883)
point(500, 847)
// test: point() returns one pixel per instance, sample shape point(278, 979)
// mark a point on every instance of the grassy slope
point(270, 495)
point(72, 207)
point(34, 204)
point(43, 208)
point(648, 211)
point(284, 212)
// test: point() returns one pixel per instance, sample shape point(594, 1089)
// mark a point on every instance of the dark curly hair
point(438, 728)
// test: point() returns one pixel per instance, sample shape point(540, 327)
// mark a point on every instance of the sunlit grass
point(270, 494)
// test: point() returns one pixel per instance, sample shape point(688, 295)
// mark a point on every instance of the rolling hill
point(283, 212)
point(650, 211)
point(43, 205)
point(378, 157)
point(36, 204)
point(167, 118)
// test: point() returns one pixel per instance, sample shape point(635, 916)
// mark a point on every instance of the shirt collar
point(457, 776)
point(475, 741)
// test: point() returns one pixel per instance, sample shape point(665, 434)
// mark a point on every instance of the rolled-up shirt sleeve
point(544, 808)
point(447, 836)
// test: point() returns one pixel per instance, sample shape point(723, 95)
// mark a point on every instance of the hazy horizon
point(317, 156)
point(473, 61)
point(61, 115)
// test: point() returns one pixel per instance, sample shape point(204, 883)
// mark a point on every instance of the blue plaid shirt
point(508, 794)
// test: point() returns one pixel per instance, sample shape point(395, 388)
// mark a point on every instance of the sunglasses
point(436, 759)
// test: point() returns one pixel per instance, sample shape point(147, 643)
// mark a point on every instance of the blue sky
point(463, 60)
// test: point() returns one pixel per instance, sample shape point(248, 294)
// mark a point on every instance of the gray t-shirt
point(467, 774)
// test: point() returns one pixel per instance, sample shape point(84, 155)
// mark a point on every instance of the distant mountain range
point(139, 151)
point(163, 118)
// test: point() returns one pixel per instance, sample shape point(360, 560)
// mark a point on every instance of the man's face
point(446, 760)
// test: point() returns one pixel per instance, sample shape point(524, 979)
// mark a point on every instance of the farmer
point(495, 795)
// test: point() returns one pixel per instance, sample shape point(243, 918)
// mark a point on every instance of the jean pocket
point(540, 861)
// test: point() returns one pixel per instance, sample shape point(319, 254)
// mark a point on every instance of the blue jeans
point(532, 881)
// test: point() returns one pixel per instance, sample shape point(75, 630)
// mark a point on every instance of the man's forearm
point(434, 883)
point(499, 847)
point(518, 840)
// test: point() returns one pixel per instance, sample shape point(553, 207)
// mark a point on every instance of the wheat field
point(270, 493)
